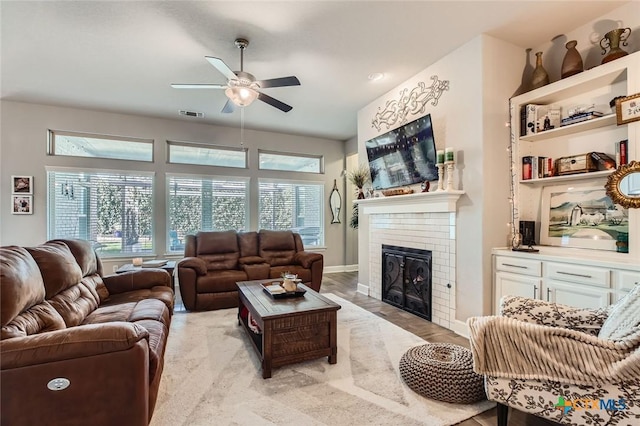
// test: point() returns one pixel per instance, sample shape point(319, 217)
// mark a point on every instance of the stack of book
point(621, 153)
point(583, 116)
point(536, 167)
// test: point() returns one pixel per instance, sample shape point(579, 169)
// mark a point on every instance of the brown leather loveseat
point(77, 347)
point(215, 261)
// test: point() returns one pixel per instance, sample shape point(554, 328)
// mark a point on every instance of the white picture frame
point(581, 217)
point(21, 204)
point(22, 184)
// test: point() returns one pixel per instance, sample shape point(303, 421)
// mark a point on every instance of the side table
point(169, 267)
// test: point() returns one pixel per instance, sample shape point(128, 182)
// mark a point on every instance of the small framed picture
point(628, 109)
point(22, 184)
point(22, 204)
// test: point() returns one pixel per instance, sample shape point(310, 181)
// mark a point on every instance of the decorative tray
point(276, 291)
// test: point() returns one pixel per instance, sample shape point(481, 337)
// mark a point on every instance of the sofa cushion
point(21, 285)
point(131, 311)
point(220, 281)
point(277, 247)
point(217, 242)
point(88, 261)
point(39, 318)
point(75, 303)
point(248, 242)
point(58, 267)
point(624, 318)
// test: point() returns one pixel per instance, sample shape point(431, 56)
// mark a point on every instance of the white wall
point(23, 152)
point(470, 117)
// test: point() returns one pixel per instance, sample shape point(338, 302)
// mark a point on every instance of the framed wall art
point(582, 217)
point(22, 184)
point(21, 204)
point(628, 109)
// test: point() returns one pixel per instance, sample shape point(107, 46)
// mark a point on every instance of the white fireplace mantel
point(421, 202)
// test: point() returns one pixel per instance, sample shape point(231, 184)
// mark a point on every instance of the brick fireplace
point(423, 221)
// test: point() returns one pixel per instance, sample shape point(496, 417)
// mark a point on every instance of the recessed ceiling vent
point(192, 113)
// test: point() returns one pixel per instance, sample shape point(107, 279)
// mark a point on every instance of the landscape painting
point(583, 217)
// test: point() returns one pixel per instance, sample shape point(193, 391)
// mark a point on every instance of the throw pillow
point(624, 318)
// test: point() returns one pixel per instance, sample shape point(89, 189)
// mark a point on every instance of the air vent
point(192, 113)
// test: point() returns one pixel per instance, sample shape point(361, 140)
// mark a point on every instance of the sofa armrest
point(194, 263)
point(137, 280)
point(552, 314)
point(306, 258)
point(70, 343)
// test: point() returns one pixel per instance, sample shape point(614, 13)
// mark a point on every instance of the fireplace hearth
point(406, 279)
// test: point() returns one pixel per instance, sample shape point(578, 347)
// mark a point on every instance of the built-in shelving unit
point(535, 274)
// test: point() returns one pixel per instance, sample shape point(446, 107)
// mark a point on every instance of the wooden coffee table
point(293, 329)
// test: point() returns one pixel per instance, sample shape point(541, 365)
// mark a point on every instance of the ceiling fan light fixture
point(241, 96)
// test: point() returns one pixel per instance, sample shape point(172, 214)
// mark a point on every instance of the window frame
point(137, 173)
point(319, 157)
point(171, 142)
point(169, 176)
point(51, 144)
point(321, 219)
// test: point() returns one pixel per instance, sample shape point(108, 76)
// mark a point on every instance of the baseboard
point(340, 268)
point(363, 289)
point(459, 327)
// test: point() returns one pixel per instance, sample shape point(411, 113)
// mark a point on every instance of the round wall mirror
point(623, 185)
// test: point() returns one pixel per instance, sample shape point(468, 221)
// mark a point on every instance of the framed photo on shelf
point(22, 184)
point(628, 109)
point(582, 217)
point(21, 204)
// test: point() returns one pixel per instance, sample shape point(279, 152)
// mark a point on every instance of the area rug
point(212, 377)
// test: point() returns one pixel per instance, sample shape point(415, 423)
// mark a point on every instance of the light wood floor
point(344, 284)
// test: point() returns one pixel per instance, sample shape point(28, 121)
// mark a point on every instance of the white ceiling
point(122, 56)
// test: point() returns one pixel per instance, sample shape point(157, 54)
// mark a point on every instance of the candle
point(440, 155)
point(448, 154)
point(137, 261)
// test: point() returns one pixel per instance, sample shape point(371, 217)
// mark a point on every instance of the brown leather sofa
point(215, 261)
point(62, 320)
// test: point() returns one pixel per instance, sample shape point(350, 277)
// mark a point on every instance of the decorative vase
point(612, 40)
point(572, 63)
point(360, 194)
point(540, 77)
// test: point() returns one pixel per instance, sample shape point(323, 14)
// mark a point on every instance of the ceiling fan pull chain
point(242, 127)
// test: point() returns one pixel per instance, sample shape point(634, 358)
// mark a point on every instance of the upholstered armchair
point(569, 365)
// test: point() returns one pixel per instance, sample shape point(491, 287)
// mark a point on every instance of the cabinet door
point(580, 296)
point(624, 282)
point(515, 285)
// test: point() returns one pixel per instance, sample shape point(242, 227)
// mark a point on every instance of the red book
point(527, 170)
point(623, 152)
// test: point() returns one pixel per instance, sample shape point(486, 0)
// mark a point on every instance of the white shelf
point(572, 129)
point(566, 178)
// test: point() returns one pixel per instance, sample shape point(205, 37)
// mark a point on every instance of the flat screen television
point(403, 156)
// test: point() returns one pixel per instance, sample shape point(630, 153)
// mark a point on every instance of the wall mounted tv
point(403, 156)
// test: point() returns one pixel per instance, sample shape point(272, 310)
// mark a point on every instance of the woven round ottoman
point(442, 371)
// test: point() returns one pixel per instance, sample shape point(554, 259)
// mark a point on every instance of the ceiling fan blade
point(229, 107)
point(199, 86)
point(279, 82)
point(274, 102)
point(222, 67)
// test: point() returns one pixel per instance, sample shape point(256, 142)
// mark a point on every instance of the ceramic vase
point(612, 40)
point(540, 77)
point(360, 194)
point(572, 63)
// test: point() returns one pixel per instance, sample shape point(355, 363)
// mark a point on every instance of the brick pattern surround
point(426, 231)
point(425, 221)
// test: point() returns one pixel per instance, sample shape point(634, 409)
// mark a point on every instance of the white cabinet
point(571, 281)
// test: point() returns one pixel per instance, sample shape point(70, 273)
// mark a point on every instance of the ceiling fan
point(242, 88)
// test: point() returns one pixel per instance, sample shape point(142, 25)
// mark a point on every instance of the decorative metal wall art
point(410, 102)
point(335, 202)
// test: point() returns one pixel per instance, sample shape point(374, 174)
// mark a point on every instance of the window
point(298, 206)
point(290, 162)
point(205, 204)
point(206, 155)
point(94, 146)
point(112, 209)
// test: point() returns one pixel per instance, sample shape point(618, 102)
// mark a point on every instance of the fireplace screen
point(406, 279)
